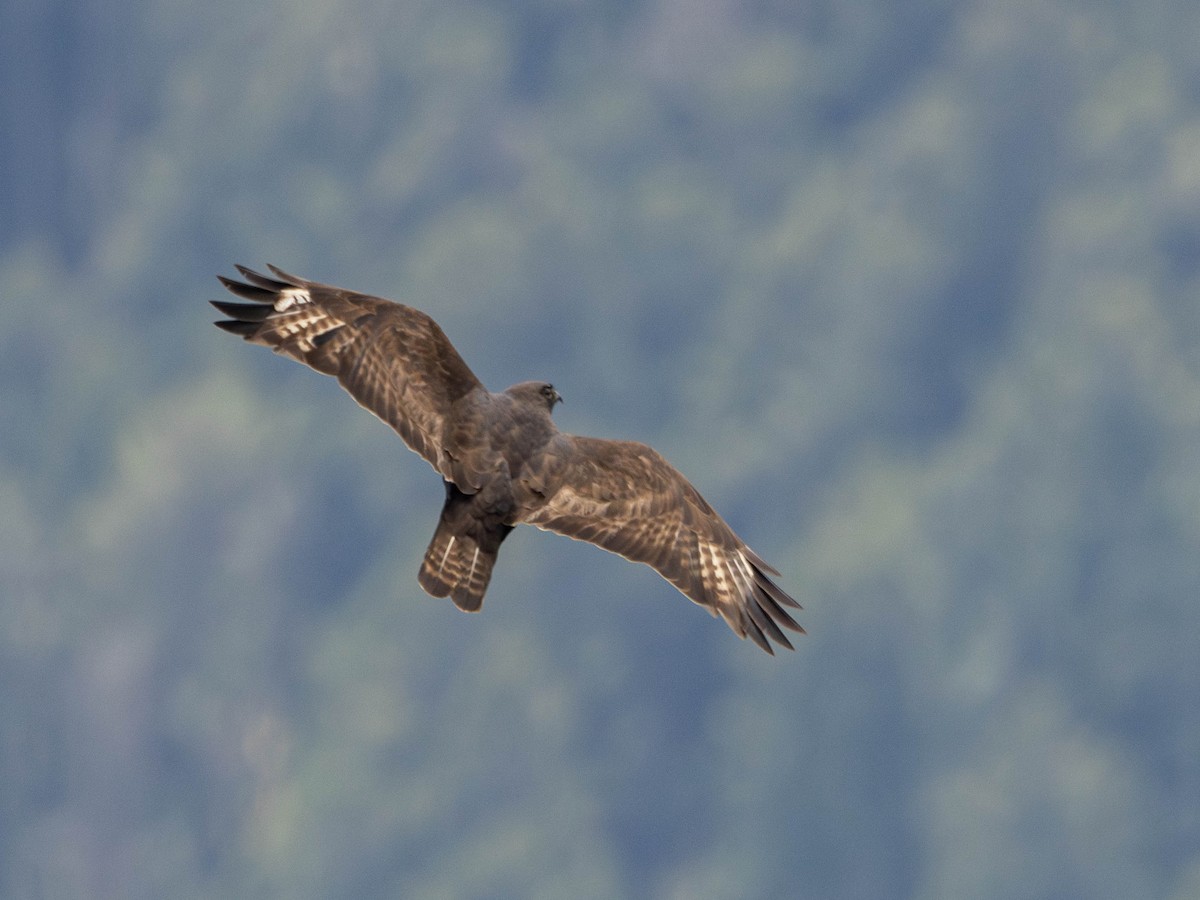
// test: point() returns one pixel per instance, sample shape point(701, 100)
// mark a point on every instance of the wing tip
point(240, 328)
point(766, 603)
point(258, 287)
point(759, 638)
point(759, 563)
point(256, 293)
point(261, 291)
point(243, 312)
point(289, 280)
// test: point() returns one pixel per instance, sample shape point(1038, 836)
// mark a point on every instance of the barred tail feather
point(457, 567)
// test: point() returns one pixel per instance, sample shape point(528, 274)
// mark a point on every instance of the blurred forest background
point(911, 291)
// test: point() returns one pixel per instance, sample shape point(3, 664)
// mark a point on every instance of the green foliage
point(909, 291)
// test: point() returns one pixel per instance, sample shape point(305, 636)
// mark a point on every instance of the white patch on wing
point(293, 326)
point(292, 297)
point(743, 576)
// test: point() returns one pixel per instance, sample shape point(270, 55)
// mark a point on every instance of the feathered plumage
point(503, 460)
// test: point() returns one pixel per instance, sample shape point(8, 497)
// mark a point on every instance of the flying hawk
point(502, 458)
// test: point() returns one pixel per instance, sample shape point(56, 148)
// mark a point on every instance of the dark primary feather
point(624, 497)
point(243, 312)
point(502, 458)
point(393, 359)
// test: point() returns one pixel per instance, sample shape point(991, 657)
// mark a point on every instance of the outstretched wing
point(393, 359)
point(624, 497)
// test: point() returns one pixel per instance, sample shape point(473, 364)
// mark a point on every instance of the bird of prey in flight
point(503, 460)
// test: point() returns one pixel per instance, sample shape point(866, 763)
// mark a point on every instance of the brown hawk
point(502, 458)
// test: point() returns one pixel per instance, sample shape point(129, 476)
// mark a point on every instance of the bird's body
point(502, 458)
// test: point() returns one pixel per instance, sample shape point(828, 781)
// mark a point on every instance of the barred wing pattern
point(623, 496)
point(503, 459)
point(393, 359)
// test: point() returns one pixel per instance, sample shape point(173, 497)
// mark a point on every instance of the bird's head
point(536, 392)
